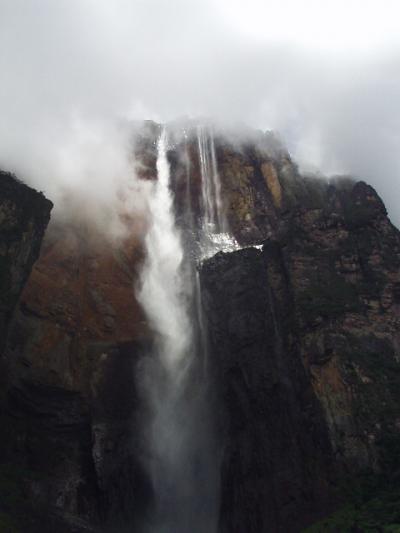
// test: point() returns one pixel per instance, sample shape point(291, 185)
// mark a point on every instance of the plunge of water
point(163, 294)
point(182, 458)
point(215, 236)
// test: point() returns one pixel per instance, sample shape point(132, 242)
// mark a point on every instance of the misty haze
point(199, 266)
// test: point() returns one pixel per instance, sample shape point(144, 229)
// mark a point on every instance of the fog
point(325, 75)
point(76, 73)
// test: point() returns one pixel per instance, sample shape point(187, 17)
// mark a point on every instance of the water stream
point(182, 457)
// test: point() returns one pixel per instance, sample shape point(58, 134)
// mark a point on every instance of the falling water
point(182, 458)
point(215, 235)
point(162, 292)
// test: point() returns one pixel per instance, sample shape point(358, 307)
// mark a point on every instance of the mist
point(75, 73)
point(181, 457)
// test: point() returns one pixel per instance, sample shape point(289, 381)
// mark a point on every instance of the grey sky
point(328, 78)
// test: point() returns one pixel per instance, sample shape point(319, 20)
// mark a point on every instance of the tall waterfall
point(162, 292)
point(181, 454)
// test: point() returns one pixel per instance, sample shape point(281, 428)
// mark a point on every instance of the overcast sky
point(325, 74)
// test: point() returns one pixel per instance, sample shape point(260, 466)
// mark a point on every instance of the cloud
point(327, 79)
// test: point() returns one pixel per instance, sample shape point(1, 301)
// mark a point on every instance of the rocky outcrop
point(344, 266)
point(70, 450)
point(253, 168)
point(70, 399)
point(73, 346)
point(24, 215)
point(305, 349)
point(276, 458)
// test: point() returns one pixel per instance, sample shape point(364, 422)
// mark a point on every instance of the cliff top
point(14, 189)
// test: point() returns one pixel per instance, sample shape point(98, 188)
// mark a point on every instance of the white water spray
point(215, 236)
point(162, 292)
point(180, 460)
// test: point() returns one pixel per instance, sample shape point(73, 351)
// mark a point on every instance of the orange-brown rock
point(304, 339)
point(81, 291)
point(304, 346)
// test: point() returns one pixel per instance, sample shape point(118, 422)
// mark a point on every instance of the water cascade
point(181, 453)
point(215, 234)
point(162, 292)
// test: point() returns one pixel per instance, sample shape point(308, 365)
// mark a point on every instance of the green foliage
point(371, 502)
point(372, 507)
point(329, 298)
point(377, 399)
point(358, 215)
point(359, 212)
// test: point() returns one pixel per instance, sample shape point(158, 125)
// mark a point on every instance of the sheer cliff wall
point(304, 348)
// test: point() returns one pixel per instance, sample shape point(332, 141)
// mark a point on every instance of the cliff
point(276, 451)
point(303, 348)
point(71, 393)
point(24, 215)
point(304, 341)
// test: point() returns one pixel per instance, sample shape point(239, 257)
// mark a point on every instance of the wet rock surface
point(305, 351)
point(304, 347)
point(276, 452)
point(70, 450)
point(24, 215)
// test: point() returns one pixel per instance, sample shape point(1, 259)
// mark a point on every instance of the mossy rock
point(378, 397)
point(372, 505)
point(328, 298)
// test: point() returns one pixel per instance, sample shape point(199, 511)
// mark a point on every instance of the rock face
point(276, 459)
point(73, 346)
point(24, 215)
point(305, 347)
point(248, 167)
point(345, 270)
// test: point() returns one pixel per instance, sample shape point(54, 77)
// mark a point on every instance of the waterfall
point(162, 291)
point(181, 458)
point(215, 234)
point(213, 217)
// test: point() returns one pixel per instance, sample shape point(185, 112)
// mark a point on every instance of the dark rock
point(305, 349)
point(24, 215)
point(117, 441)
point(276, 453)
